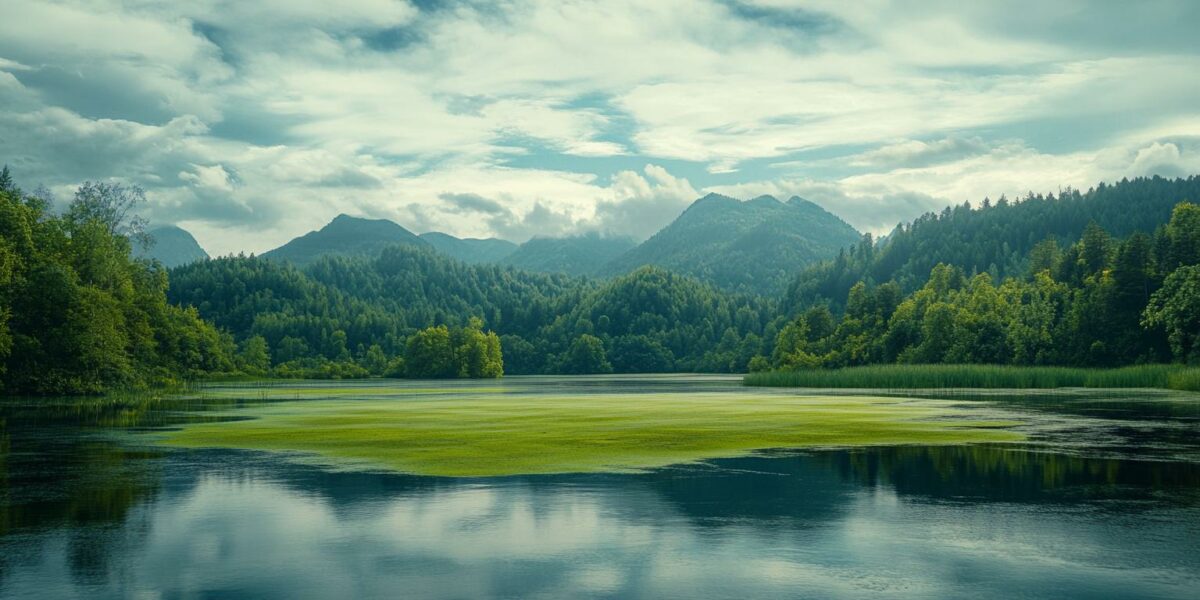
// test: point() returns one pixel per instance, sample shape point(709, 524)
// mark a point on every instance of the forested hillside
point(572, 255)
point(345, 236)
point(340, 308)
point(470, 250)
point(1100, 301)
point(995, 237)
point(1106, 277)
point(78, 314)
point(751, 247)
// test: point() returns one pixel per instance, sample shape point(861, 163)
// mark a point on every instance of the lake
point(1098, 498)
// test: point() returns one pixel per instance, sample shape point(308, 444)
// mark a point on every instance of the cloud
point(915, 153)
point(640, 206)
point(876, 201)
point(474, 203)
point(502, 118)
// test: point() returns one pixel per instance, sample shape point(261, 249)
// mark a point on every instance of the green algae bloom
point(479, 433)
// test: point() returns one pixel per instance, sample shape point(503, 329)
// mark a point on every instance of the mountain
point(470, 250)
point(345, 236)
point(576, 255)
point(751, 246)
point(172, 247)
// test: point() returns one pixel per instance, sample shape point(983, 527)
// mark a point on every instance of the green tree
point(7, 186)
point(1094, 249)
point(791, 347)
point(477, 353)
point(255, 356)
point(937, 333)
point(429, 354)
point(586, 355)
point(112, 205)
point(1183, 232)
point(1176, 308)
point(375, 361)
point(640, 354)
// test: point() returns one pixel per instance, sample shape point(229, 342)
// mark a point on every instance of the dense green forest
point(78, 314)
point(1099, 301)
point(340, 309)
point(998, 238)
point(1078, 279)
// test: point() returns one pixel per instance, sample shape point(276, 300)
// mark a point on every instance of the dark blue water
point(1083, 513)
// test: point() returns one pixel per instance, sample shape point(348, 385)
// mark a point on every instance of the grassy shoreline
point(1175, 377)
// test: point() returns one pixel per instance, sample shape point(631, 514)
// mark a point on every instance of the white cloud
point(877, 201)
point(254, 122)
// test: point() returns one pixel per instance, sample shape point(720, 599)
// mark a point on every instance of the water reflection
point(921, 522)
point(84, 515)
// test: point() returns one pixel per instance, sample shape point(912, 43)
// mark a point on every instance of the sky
point(249, 123)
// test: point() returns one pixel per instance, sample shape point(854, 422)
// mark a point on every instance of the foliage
point(78, 314)
point(979, 376)
point(648, 320)
point(1176, 307)
point(576, 255)
point(998, 238)
point(1096, 302)
point(586, 355)
point(439, 353)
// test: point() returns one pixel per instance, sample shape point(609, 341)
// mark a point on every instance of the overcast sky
point(251, 125)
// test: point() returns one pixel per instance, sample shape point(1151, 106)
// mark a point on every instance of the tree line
point(1099, 301)
point(341, 313)
point(1074, 279)
point(77, 313)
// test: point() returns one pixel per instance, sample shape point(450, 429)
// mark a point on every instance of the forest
point(1076, 279)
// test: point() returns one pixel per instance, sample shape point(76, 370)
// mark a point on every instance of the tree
point(477, 353)
point(759, 364)
point(375, 361)
point(1176, 308)
point(937, 333)
point(791, 346)
point(1183, 231)
point(586, 355)
point(78, 315)
point(640, 354)
point(1095, 248)
point(255, 356)
point(1046, 256)
point(114, 206)
point(429, 355)
point(6, 182)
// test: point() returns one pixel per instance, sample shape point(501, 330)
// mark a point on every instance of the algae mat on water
point(510, 434)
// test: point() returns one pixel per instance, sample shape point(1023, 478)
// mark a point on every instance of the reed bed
point(982, 376)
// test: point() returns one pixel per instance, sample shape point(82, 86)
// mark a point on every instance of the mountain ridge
point(173, 246)
point(753, 245)
point(345, 236)
point(470, 250)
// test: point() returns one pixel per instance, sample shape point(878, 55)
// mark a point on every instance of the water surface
point(1102, 502)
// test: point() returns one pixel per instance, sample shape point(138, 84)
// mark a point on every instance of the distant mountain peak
point(751, 246)
point(765, 199)
point(173, 246)
point(345, 236)
point(714, 197)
